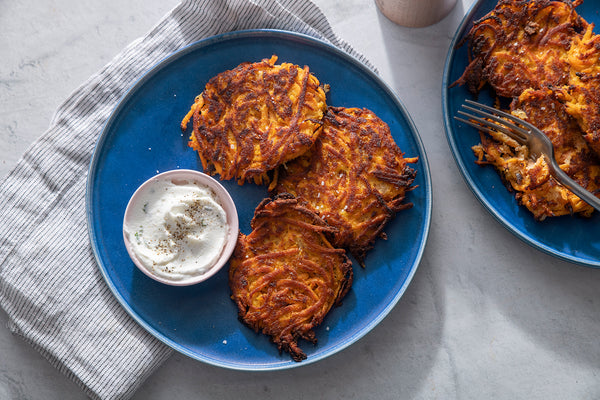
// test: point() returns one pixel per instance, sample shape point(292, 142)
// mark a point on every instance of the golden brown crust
point(252, 118)
point(521, 45)
point(355, 177)
point(582, 95)
point(285, 275)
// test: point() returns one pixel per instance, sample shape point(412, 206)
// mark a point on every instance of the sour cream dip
point(176, 227)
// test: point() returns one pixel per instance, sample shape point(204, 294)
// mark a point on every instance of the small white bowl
point(222, 197)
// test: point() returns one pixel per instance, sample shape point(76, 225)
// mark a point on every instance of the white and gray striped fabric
point(50, 285)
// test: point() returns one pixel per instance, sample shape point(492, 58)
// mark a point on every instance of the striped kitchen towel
point(50, 285)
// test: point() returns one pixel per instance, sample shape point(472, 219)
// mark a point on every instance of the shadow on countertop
point(545, 302)
point(393, 359)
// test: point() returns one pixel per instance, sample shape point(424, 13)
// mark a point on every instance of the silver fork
point(489, 119)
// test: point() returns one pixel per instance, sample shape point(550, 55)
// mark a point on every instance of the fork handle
point(576, 188)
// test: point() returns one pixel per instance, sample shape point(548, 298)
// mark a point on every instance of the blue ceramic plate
point(574, 239)
point(142, 137)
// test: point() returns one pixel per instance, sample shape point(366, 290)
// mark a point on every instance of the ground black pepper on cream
point(177, 230)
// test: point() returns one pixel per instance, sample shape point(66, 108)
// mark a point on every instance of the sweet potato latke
point(582, 95)
point(285, 275)
point(522, 44)
point(252, 118)
point(544, 57)
point(355, 177)
point(530, 179)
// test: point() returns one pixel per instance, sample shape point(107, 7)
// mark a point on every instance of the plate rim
point(234, 35)
point(526, 237)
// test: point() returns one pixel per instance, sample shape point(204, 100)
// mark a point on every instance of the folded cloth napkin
point(50, 285)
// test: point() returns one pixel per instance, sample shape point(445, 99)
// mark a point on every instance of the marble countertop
point(486, 315)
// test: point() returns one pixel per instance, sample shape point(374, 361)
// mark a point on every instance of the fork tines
point(492, 121)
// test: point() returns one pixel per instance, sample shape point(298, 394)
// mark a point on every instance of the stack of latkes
point(543, 59)
point(335, 175)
